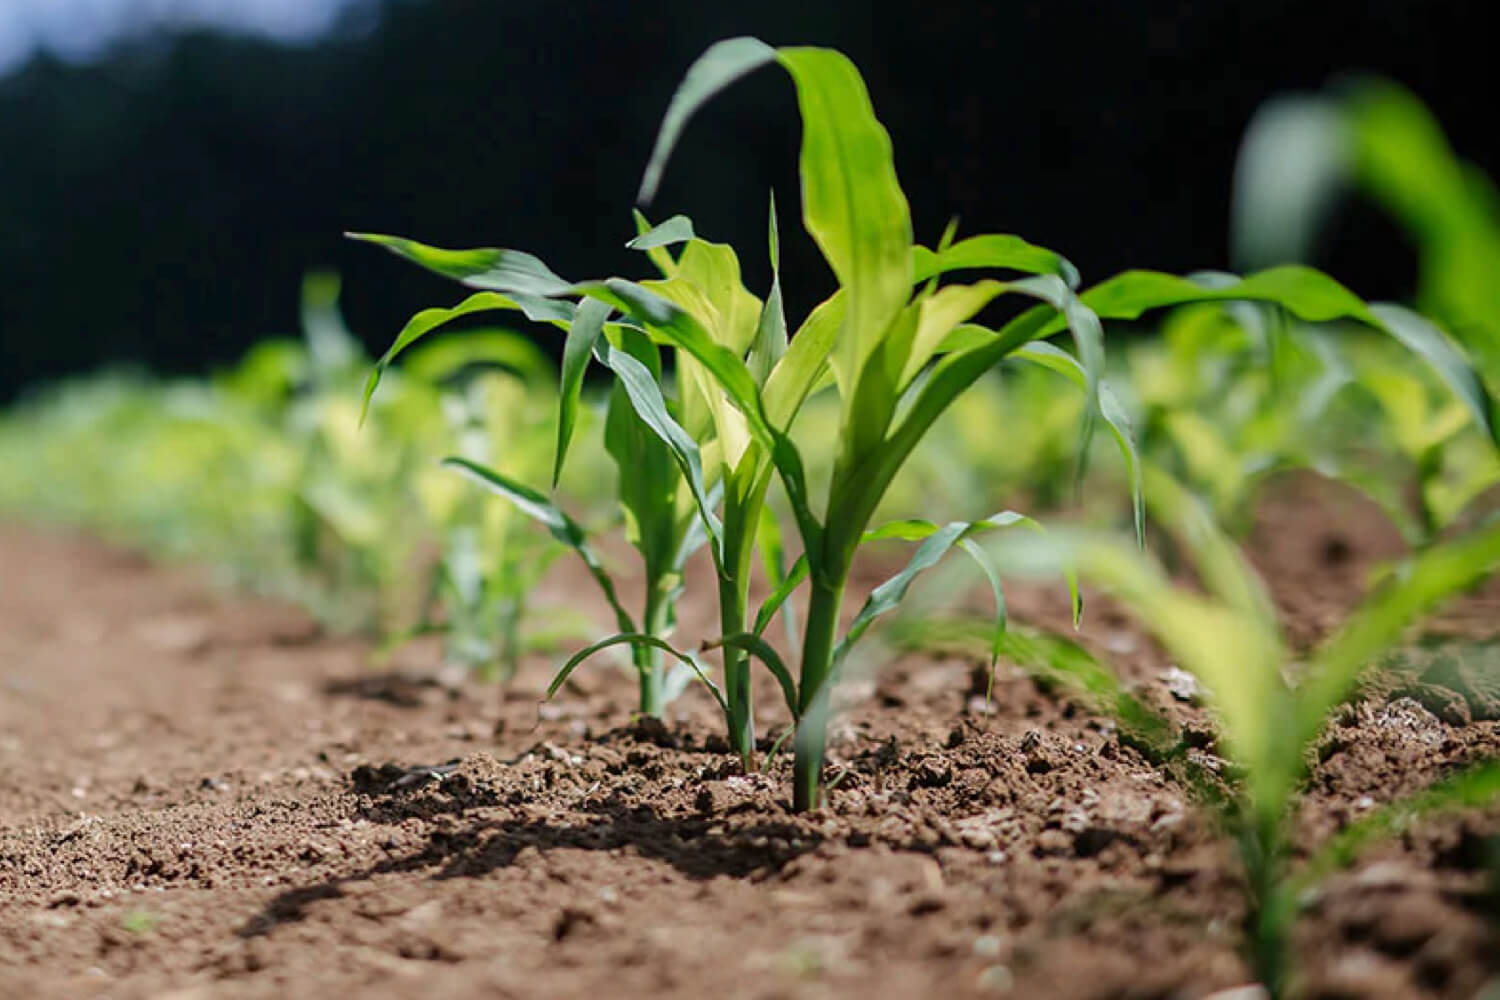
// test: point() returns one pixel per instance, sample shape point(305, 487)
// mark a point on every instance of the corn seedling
point(663, 499)
point(1271, 709)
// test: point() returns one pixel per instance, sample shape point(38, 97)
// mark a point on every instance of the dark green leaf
point(587, 325)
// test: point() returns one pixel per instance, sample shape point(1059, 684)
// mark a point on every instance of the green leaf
point(993, 250)
point(723, 63)
point(770, 343)
point(804, 363)
point(939, 314)
point(677, 229)
point(904, 530)
point(936, 543)
point(682, 330)
point(852, 203)
point(646, 399)
point(860, 492)
point(584, 333)
point(509, 271)
point(636, 639)
point(538, 507)
point(1312, 296)
point(1110, 408)
point(768, 542)
point(436, 361)
point(754, 645)
point(658, 255)
point(793, 579)
point(1308, 294)
point(429, 320)
point(1291, 163)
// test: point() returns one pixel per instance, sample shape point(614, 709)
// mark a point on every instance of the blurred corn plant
point(1302, 152)
point(495, 392)
point(264, 473)
point(1271, 707)
point(1236, 393)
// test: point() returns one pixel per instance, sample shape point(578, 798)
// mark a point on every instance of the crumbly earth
point(202, 797)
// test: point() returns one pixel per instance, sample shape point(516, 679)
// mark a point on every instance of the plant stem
point(1272, 909)
point(733, 601)
point(648, 659)
point(818, 641)
point(742, 514)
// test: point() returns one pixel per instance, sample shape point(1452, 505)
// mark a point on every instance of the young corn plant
point(661, 502)
point(742, 381)
point(1271, 708)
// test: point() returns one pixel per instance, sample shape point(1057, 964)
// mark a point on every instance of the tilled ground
point(200, 796)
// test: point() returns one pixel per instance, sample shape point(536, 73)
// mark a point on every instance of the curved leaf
point(753, 644)
point(723, 63)
point(429, 320)
point(636, 639)
point(510, 271)
point(679, 327)
point(1312, 296)
point(677, 229)
point(1110, 408)
point(1430, 344)
point(852, 203)
point(992, 250)
point(538, 507)
point(936, 543)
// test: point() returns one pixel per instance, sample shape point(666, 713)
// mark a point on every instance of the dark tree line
point(161, 206)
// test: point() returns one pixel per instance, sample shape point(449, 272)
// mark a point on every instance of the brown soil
point(200, 797)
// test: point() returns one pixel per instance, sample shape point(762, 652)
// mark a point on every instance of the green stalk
point(818, 642)
point(1271, 907)
point(733, 601)
point(648, 659)
point(741, 517)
